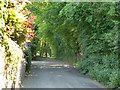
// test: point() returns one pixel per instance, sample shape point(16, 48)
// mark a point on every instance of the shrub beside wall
point(15, 29)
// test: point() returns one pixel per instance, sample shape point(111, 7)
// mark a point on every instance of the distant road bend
point(56, 74)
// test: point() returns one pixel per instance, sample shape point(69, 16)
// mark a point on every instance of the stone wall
point(2, 65)
point(20, 74)
point(20, 67)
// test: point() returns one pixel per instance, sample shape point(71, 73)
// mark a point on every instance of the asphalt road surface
point(56, 74)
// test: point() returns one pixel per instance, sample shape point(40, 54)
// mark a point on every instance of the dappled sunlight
point(64, 39)
point(59, 65)
point(49, 64)
point(32, 75)
point(56, 74)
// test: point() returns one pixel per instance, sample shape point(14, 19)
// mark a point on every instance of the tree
point(86, 33)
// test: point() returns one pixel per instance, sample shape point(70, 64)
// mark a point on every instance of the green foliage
point(102, 68)
point(84, 32)
point(98, 26)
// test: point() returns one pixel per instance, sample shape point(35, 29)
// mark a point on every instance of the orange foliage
point(29, 24)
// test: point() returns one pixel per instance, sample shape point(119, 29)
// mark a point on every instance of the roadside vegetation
point(15, 29)
point(85, 34)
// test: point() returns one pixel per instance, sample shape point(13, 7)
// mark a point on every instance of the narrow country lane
point(56, 74)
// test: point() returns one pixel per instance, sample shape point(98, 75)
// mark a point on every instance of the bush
point(86, 31)
point(102, 68)
point(15, 29)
